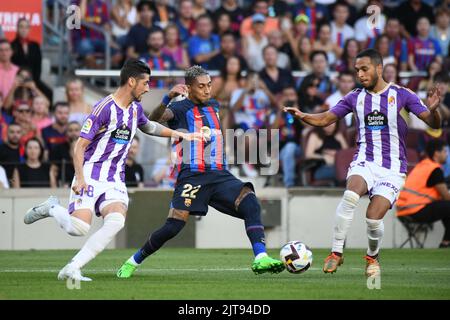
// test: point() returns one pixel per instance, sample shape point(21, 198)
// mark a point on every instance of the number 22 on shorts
point(189, 191)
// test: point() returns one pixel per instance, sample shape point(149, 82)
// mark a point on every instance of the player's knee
point(375, 228)
point(78, 228)
point(350, 199)
point(115, 221)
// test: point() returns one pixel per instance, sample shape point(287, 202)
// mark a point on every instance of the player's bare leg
point(113, 221)
point(376, 211)
point(248, 207)
point(175, 222)
point(356, 187)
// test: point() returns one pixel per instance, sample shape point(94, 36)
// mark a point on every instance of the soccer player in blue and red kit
point(203, 178)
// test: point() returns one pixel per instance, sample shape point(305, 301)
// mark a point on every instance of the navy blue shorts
point(194, 191)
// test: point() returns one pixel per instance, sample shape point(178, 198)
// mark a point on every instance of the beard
point(372, 85)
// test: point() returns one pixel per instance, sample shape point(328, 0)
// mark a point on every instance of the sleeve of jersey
point(343, 107)
point(93, 123)
point(142, 119)
point(413, 103)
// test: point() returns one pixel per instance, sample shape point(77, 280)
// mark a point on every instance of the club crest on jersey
point(134, 114)
point(121, 135)
point(87, 126)
point(391, 101)
point(376, 120)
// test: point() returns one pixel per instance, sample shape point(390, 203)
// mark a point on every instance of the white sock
point(375, 231)
point(344, 217)
point(112, 224)
point(260, 255)
point(132, 261)
point(72, 225)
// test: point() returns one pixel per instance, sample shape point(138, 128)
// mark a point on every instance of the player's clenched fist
point(179, 89)
point(79, 185)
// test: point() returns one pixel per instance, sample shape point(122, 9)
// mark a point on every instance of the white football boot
point(41, 211)
point(73, 273)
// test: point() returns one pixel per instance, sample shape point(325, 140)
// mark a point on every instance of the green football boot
point(126, 270)
point(267, 264)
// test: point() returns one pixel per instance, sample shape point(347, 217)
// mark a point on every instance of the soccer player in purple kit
point(99, 160)
point(379, 165)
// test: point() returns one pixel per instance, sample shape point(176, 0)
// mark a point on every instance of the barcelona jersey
point(198, 156)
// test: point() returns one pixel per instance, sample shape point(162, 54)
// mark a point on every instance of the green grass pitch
point(224, 274)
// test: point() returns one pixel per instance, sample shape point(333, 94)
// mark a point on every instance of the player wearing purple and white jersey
point(379, 164)
point(99, 160)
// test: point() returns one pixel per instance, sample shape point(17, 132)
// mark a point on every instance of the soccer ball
point(296, 256)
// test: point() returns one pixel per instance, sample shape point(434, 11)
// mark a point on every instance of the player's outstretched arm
point(322, 119)
point(161, 113)
point(432, 117)
point(78, 159)
point(154, 128)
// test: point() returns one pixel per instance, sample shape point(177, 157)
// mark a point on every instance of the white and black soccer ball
point(296, 256)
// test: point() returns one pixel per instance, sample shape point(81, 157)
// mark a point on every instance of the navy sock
point(169, 230)
point(251, 212)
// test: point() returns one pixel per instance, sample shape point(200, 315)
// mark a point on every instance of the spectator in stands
point(319, 70)
point(253, 44)
point(33, 173)
point(432, 69)
point(199, 9)
point(173, 47)
point(156, 58)
point(290, 135)
point(324, 43)
point(4, 184)
point(227, 49)
point(9, 151)
point(322, 144)
point(297, 33)
point(222, 24)
point(308, 95)
point(134, 173)
point(345, 83)
point(8, 70)
point(203, 46)
point(61, 156)
point(55, 134)
point(79, 109)
point(364, 35)
point(236, 13)
point(136, 43)
point(273, 77)
point(260, 7)
point(164, 14)
point(250, 105)
point(398, 47)
point(27, 53)
point(390, 73)
point(88, 42)
point(275, 39)
point(382, 46)
point(409, 13)
point(303, 59)
point(423, 49)
point(425, 197)
point(40, 113)
point(22, 116)
point(316, 13)
point(347, 61)
point(163, 174)
point(340, 30)
point(123, 16)
point(442, 78)
point(186, 22)
point(24, 88)
point(2, 35)
point(441, 30)
point(230, 79)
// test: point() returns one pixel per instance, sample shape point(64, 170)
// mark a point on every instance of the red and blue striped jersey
point(198, 156)
point(424, 51)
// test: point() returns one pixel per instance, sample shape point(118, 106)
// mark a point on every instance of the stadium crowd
point(256, 46)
